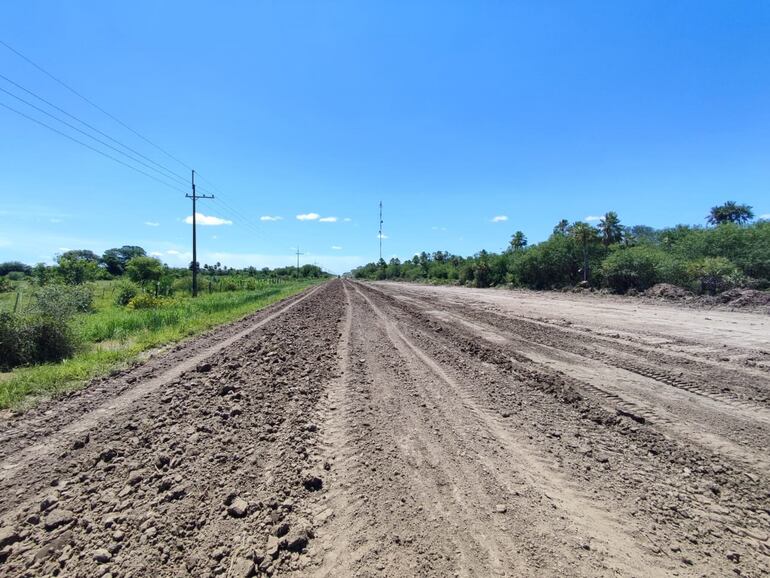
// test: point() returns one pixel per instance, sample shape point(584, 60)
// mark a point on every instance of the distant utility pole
point(194, 198)
point(380, 235)
point(298, 254)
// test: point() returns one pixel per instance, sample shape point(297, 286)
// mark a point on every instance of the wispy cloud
point(765, 216)
point(207, 220)
point(336, 248)
point(499, 218)
point(152, 224)
point(270, 218)
point(438, 228)
point(327, 220)
point(590, 218)
point(383, 236)
point(55, 220)
point(347, 219)
point(156, 254)
point(172, 252)
point(308, 217)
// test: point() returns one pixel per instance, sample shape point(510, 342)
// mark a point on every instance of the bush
point(147, 301)
point(182, 285)
point(52, 339)
point(14, 350)
point(34, 339)
point(715, 274)
point(126, 291)
point(5, 285)
point(62, 302)
point(636, 268)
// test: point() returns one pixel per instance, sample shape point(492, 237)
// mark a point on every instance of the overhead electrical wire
point(245, 221)
point(73, 127)
point(88, 146)
point(93, 128)
point(92, 103)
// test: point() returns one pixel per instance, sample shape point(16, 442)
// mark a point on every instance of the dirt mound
point(667, 291)
point(745, 298)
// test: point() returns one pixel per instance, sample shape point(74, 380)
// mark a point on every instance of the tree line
point(732, 250)
point(131, 262)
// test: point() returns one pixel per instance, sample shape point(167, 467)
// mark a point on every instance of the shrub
point(62, 302)
point(714, 274)
point(228, 285)
point(126, 291)
point(34, 339)
point(5, 285)
point(14, 350)
point(144, 301)
point(52, 339)
point(636, 268)
point(182, 285)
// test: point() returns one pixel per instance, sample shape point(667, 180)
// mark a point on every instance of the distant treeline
point(129, 261)
point(731, 252)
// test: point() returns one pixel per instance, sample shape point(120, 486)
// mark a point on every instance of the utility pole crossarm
point(194, 198)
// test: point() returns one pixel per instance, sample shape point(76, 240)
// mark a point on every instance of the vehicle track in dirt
point(391, 430)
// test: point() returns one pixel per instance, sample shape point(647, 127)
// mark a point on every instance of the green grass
point(113, 336)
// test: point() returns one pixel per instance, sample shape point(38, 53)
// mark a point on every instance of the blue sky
point(451, 113)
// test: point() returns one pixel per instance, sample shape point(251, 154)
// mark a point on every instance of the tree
point(81, 255)
point(610, 229)
point(561, 228)
point(730, 212)
point(584, 234)
point(518, 241)
point(115, 259)
point(143, 269)
point(78, 266)
point(14, 266)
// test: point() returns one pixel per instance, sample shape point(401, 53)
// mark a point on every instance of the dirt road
point(396, 430)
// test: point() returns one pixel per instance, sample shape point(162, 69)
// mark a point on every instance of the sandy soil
point(397, 430)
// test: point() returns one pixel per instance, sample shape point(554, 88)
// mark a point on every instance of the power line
point(117, 120)
point(93, 128)
point(88, 146)
point(73, 127)
point(92, 103)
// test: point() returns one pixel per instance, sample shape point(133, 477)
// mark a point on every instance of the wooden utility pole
point(194, 198)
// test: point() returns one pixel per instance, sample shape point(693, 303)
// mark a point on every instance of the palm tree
point(518, 241)
point(730, 212)
point(610, 228)
point(561, 228)
point(584, 234)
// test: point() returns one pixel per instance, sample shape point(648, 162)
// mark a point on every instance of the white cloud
point(172, 252)
point(327, 220)
point(765, 216)
point(347, 219)
point(152, 224)
point(65, 249)
point(207, 220)
point(270, 218)
point(383, 236)
point(336, 248)
point(499, 218)
point(156, 254)
point(438, 228)
point(590, 218)
point(308, 217)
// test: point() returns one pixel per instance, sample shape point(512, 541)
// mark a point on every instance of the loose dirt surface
point(396, 430)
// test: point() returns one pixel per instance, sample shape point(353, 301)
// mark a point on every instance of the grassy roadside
point(113, 336)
